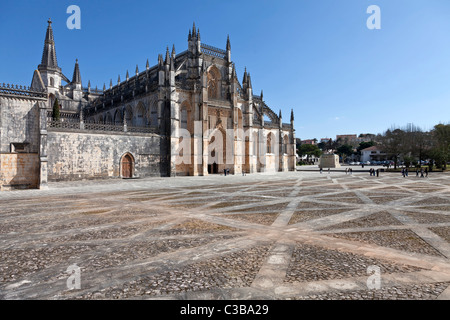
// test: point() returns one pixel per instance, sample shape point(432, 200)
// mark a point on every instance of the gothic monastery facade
point(187, 115)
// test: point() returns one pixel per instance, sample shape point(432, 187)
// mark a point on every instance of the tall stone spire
point(167, 61)
point(244, 80)
point(76, 73)
point(228, 49)
point(173, 51)
point(49, 52)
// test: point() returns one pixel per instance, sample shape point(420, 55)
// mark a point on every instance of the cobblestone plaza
point(288, 236)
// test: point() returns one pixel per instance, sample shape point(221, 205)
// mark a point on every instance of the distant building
point(308, 141)
point(347, 137)
point(366, 137)
point(326, 140)
point(372, 154)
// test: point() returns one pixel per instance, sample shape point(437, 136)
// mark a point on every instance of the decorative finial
point(49, 21)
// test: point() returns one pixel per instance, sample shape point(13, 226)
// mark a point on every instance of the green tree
point(364, 145)
point(344, 151)
point(309, 150)
point(393, 143)
point(441, 141)
point(56, 113)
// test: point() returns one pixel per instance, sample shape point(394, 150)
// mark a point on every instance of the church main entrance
point(127, 166)
point(213, 168)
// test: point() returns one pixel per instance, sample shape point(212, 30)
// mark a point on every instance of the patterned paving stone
point(405, 240)
point(374, 220)
point(259, 218)
point(312, 263)
point(247, 236)
point(302, 216)
point(414, 292)
point(443, 232)
point(229, 271)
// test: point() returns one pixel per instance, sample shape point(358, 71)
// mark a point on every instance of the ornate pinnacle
point(167, 56)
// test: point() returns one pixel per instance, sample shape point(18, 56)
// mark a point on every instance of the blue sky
point(315, 56)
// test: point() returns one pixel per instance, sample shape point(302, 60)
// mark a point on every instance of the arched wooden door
point(127, 166)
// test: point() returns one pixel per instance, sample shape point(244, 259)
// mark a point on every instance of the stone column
point(43, 166)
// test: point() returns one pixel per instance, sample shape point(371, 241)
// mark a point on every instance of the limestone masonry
point(187, 115)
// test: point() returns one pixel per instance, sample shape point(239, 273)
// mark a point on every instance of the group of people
point(374, 172)
point(423, 173)
point(348, 171)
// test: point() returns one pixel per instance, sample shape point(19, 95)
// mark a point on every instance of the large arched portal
point(217, 152)
point(127, 166)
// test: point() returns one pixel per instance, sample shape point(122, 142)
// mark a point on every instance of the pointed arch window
point(285, 144)
point(214, 83)
point(184, 118)
point(154, 115)
point(269, 143)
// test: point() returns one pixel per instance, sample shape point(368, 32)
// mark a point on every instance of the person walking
point(321, 169)
point(426, 172)
point(378, 173)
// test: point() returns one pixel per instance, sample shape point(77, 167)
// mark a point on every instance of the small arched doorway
point(127, 165)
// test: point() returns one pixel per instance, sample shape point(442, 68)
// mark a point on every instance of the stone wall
point(86, 155)
point(329, 161)
point(19, 123)
point(19, 171)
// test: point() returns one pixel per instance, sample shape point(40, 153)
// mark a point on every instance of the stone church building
point(187, 115)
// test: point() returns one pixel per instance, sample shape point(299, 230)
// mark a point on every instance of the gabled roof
point(373, 148)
